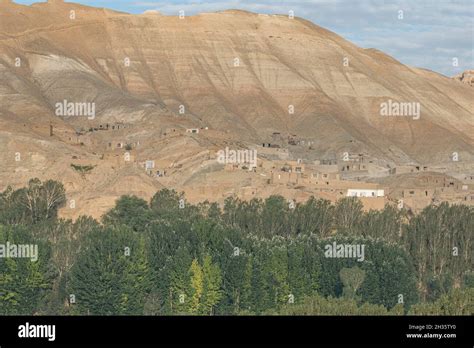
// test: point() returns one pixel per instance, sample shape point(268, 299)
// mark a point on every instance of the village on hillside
point(274, 170)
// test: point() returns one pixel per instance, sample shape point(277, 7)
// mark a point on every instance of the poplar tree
point(111, 275)
point(196, 287)
point(24, 283)
point(212, 281)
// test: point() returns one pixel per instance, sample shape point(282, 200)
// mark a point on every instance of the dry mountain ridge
point(236, 73)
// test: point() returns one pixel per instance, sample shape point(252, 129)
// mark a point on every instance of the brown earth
point(466, 77)
point(238, 74)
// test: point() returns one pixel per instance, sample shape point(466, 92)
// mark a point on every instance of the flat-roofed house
point(365, 193)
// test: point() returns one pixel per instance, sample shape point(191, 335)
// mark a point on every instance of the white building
point(149, 165)
point(365, 193)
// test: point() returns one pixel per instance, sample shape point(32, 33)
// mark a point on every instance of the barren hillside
point(239, 77)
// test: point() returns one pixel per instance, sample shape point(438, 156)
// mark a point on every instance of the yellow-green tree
point(195, 291)
point(212, 281)
point(457, 302)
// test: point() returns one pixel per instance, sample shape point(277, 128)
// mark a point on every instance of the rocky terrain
point(466, 77)
point(174, 91)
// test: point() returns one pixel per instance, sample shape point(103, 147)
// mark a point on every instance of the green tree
point(348, 214)
point(275, 216)
point(111, 275)
point(440, 242)
point(130, 211)
point(212, 281)
point(165, 203)
point(39, 201)
point(456, 302)
point(11, 213)
point(196, 287)
point(318, 305)
point(24, 282)
point(177, 271)
point(352, 279)
point(316, 216)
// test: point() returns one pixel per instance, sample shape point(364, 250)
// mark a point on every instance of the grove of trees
point(170, 257)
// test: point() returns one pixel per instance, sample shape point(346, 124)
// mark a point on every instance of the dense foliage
point(169, 257)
